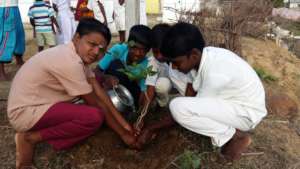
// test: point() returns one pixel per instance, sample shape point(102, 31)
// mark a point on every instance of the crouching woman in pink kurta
point(40, 104)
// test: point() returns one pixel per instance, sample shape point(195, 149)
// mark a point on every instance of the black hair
point(158, 33)
point(91, 25)
point(181, 39)
point(140, 34)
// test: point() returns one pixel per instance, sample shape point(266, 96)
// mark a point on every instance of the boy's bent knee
point(95, 117)
point(177, 108)
point(163, 85)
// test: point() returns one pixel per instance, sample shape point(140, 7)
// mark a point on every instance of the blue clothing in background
point(11, 28)
point(120, 52)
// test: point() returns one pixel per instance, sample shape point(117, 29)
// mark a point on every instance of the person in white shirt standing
point(143, 13)
point(98, 8)
point(65, 19)
point(119, 18)
point(228, 98)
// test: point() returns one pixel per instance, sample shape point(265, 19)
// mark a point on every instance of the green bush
point(278, 3)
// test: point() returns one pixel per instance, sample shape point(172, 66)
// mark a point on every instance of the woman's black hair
point(181, 39)
point(140, 34)
point(91, 25)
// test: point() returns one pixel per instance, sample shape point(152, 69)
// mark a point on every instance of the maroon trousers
point(66, 124)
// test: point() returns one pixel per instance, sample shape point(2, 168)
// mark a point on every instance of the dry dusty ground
point(276, 141)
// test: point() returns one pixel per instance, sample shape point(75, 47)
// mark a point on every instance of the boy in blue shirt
point(41, 16)
point(130, 57)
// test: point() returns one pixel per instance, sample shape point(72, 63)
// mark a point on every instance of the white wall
point(294, 5)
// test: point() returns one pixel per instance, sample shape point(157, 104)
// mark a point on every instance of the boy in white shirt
point(166, 77)
point(160, 84)
point(228, 97)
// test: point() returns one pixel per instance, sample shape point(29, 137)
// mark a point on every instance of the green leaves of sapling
point(131, 72)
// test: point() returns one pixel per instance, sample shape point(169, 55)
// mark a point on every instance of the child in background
point(119, 18)
point(41, 16)
point(132, 57)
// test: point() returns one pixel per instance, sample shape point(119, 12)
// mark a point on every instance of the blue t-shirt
point(120, 51)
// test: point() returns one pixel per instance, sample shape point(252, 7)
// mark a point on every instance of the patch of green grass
point(189, 160)
point(263, 75)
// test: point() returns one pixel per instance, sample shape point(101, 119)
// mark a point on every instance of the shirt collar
point(75, 54)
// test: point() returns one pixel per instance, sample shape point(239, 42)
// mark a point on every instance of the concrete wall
point(153, 6)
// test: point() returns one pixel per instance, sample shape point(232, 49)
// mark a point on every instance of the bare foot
point(236, 146)
point(19, 61)
point(24, 149)
point(4, 78)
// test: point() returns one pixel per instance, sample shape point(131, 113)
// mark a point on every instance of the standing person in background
point(82, 10)
point(65, 19)
point(143, 14)
point(119, 18)
point(11, 28)
point(41, 18)
point(98, 8)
